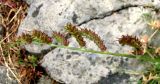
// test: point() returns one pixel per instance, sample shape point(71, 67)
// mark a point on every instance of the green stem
point(140, 57)
point(145, 57)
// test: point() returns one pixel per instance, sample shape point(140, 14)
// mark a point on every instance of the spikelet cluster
point(42, 36)
point(94, 37)
point(79, 34)
point(75, 32)
point(26, 38)
point(60, 38)
point(132, 41)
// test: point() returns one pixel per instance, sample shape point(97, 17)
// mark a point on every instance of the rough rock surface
point(4, 76)
point(109, 19)
point(45, 80)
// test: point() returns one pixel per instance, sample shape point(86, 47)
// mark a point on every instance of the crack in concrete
point(109, 13)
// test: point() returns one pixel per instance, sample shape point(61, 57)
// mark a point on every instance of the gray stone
point(37, 49)
point(88, 68)
point(109, 19)
point(44, 80)
point(4, 76)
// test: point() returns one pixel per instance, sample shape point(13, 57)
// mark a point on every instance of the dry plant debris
point(22, 65)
